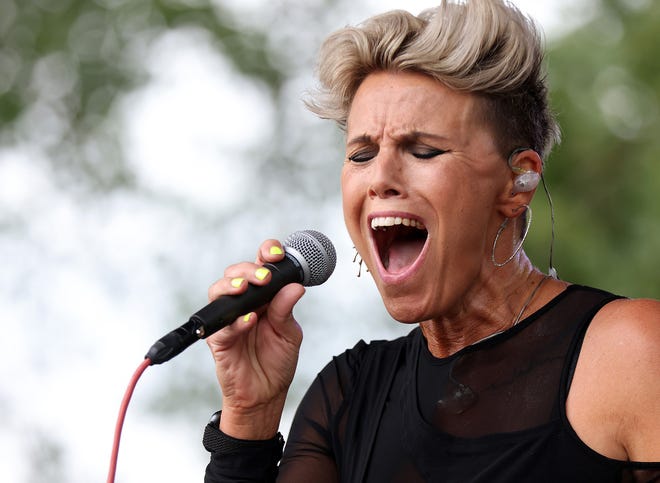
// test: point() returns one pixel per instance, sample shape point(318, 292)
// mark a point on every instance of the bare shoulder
point(617, 381)
point(633, 310)
point(629, 330)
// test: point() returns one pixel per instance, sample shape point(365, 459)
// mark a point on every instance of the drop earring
point(358, 259)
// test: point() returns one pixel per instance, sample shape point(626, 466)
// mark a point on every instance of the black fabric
point(238, 460)
point(493, 412)
point(215, 441)
point(234, 460)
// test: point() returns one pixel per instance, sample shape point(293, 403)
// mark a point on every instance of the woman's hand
point(256, 356)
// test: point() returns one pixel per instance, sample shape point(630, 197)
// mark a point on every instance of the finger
point(230, 334)
point(236, 280)
point(243, 269)
point(227, 286)
point(270, 251)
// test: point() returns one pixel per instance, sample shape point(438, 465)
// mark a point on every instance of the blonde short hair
point(485, 47)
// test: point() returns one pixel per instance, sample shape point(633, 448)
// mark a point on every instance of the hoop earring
point(358, 259)
point(520, 244)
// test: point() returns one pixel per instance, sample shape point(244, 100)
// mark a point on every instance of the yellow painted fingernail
point(236, 282)
point(261, 273)
point(276, 251)
point(246, 317)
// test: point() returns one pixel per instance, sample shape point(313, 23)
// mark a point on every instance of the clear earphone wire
point(552, 271)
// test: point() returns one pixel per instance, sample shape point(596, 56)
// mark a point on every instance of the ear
point(526, 168)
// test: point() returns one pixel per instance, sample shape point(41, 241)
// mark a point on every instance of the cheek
point(462, 206)
point(350, 202)
point(352, 185)
point(444, 192)
point(455, 191)
point(353, 191)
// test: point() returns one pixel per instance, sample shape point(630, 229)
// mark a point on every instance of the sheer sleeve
point(316, 441)
point(314, 446)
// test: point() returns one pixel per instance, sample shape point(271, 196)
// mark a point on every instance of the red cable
point(122, 414)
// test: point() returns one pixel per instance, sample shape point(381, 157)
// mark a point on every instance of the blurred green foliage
point(605, 175)
point(65, 63)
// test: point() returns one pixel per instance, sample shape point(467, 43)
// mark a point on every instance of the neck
point(494, 305)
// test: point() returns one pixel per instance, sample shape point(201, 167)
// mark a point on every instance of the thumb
point(280, 310)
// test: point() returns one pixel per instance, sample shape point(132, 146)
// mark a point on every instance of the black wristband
point(217, 442)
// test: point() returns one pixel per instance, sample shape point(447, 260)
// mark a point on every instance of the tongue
point(402, 254)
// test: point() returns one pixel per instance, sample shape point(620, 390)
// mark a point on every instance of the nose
point(387, 176)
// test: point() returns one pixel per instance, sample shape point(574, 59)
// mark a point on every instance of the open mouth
point(399, 241)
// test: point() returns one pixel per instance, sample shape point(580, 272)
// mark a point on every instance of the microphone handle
point(224, 310)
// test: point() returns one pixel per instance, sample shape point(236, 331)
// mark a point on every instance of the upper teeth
point(383, 221)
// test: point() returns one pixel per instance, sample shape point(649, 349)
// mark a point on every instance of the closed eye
point(429, 154)
point(362, 156)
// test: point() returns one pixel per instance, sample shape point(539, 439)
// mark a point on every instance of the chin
point(404, 311)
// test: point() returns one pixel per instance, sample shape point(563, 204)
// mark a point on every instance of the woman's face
point(421, 187)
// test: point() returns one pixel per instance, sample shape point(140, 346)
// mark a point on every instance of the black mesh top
point(493, 412)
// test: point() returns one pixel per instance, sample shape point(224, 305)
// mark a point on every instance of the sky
point(81, 301)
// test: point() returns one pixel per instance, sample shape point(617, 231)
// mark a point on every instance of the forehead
point(396, 103)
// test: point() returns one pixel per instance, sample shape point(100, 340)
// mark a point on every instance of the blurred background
point(147, 144)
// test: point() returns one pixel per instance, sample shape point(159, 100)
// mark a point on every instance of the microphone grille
point(318, 255)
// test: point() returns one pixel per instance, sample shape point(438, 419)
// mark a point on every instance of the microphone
point(309, 259)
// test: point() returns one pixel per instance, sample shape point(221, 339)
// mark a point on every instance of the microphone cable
point(310, 259)
point(122, 415)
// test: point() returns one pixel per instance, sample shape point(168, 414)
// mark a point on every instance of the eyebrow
point(364, 138)
point(416, 135)
point(407, 137)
